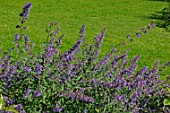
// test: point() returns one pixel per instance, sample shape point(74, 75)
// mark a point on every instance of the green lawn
point(121, 17)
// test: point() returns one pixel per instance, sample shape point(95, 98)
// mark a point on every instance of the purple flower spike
point(37, 93)
point(27, 6)
point(26, 10)
point(16, 37)
point(39, 69)
point(138, 35)
point(26, 13)
point(136, 58)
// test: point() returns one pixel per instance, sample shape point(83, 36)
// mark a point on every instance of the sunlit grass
point(120, 17)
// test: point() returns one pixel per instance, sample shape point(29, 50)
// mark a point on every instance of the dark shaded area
point(162, 16)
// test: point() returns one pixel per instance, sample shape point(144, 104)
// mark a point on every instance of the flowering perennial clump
point(76, 80)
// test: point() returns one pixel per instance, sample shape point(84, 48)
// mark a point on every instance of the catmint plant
point(77, 80)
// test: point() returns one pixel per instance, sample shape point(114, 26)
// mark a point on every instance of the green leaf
point(10, 109)
point(97, 110)
point(167, 102)
point(1, 90)
point(168, 89)
point(1, 102)
point(44, 99)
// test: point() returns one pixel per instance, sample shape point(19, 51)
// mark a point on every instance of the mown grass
point(121, 17)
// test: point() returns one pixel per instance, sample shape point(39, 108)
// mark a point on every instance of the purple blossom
point(110, 85)
point(26, 39)
point(85, 111)
point(60, 40)
point(57, 109)
point(37, 93)
point(52, 40)
point(91, 100)
point(72, 95)
point(27, 6)
point(50, 51)
point(109, 74)
point(20, 108)
point(102, 34)
point(119, 98)
point(27, 93)
point(152, 24)
point(95, 81)
point(39, 69)
point(145, 68)
point(124, 83)
point(124, 63)
point(86, 98)
point(83, 89)
point(16, 37)
point(76, 45)
point(138, 35)
point(27, 69)
point(79, 41)
point(115, 62)
point(154, 70)
point(139, 93)
point(99, 38)
point(26, 11)
point(135, 59)
point(144, 30)
point(97, 53)
point(104, 83)
point(8, 101)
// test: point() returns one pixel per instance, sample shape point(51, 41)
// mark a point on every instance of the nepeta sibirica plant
point(76, 81)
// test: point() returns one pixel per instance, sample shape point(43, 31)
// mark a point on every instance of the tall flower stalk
point(77, 80)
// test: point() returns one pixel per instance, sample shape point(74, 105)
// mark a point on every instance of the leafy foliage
point(167, 101)
point(6, 108)
point(77, 80)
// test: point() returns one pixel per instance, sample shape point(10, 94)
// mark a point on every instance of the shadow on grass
point(162, 16)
